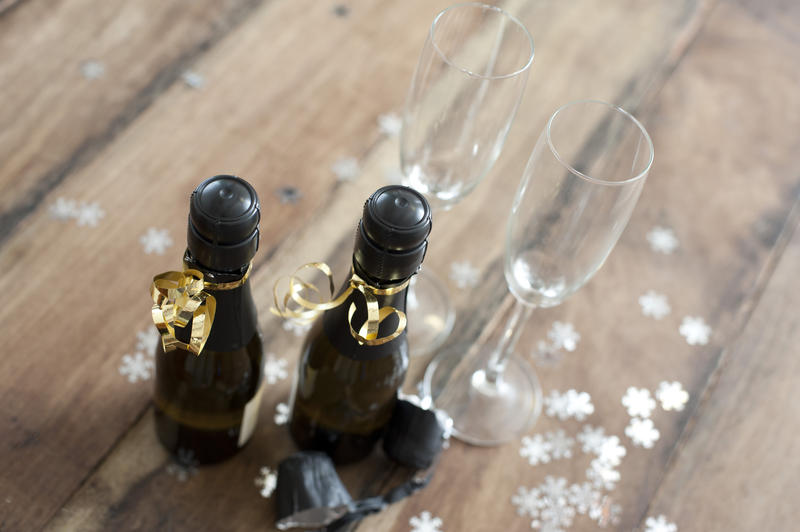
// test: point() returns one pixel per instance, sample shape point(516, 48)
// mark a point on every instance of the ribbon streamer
point(305, 310)
point(179, 297)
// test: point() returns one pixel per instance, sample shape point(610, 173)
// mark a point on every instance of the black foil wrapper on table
point(413, 436)
point(309, 493)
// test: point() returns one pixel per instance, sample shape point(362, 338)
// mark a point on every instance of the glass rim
point(502, 12)
point(589, 178)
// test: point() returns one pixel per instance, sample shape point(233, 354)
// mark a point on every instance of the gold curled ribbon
point(306, 310)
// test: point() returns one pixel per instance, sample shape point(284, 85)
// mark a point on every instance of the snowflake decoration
point(554, 516)
point(184, 465)
point(390, 124)
point(346, 169)
point(136, 367)
point(424, 522)
point(147, 340)
point(527, 501)
point(288, 195)
point(556, 405)
point(695, 330)
point(275, 369)
point(90, 214)
point(654, 304)
point(64, 209)
point(193, 80)
point(464, 274)
point(92, 69)
point(282, 412)
point(638, 402)
point(602, 474)
point(296, 327)
point(579, 404)
point(605, 512)
point(662, 240)
point(560, 444)
point(642, 432)
point(672, 395)
point(546, 354)
point(554, 489)
point(155, 241)
point(659, 524)
point(267, 480)
point(592, 439)
point(611, 452)
point(394, 176)
point(583, 497)
point(535, 449)
point(563, 335)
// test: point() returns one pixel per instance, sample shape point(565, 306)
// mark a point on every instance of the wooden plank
point(728, 201)
point(736, 467)
point(289, 135)
point(54, 119)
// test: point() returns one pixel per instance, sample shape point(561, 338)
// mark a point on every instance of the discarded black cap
point(309, 493)
point(224, 212)
point(413, 436)
point(391, 236)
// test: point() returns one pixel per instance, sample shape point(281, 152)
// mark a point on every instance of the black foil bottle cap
point(224, 213)
point(391, 239)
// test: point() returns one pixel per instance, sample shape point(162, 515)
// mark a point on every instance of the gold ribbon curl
point(305, 310)
point(179, 297)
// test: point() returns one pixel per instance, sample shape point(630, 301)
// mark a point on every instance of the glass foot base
point(484, 412)
point(430, 314)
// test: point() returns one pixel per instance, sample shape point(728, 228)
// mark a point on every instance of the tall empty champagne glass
point(577, 193)
point(463, 97)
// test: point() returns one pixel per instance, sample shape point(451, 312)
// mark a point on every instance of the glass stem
point(514, 325)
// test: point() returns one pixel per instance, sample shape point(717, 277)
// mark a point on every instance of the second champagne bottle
point(346, 389)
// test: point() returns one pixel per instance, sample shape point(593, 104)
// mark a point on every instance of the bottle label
point(250, 417)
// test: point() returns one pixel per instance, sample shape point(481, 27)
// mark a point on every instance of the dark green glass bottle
point(206, 405)
point(345, 391)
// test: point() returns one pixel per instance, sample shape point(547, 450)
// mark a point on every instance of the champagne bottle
point(345, 390)
point(206, 404)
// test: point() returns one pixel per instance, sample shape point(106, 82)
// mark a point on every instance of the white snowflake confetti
point(147, 340)
point(527, 501)
point(602, 474)
point(654, 304)
point(554, 516)
point(605, 512)
point(695, 330)
point(642, 432)
point(579, 404)
point(155, 241)
point(267, 480)
point(184, 465)
point(275, 369)
point(546, 354)
point(611, 452)
point(425, 522)
point(346, 169)
point(464, 274)
point(64, 209)
point(554, 488)
point(638, 402)
point(560, 444)
point(672, 395)
point(557, 405)
point(390, 124)
point(282, 413)
point(535, 449)
point(662, 240)
point(92, 69)
point(592, 439)
point(136, 367)
point(296, 327)
point(193, 79)
point(659, 524)
point(90, 214)
point(563, 335)
point(583, 497)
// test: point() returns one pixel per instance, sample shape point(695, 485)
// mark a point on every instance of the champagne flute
point(463, 97)
point(576, 196)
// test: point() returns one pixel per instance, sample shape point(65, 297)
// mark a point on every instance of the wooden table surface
point(123, 107)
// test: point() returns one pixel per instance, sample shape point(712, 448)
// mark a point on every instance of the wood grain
point(288, 91)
